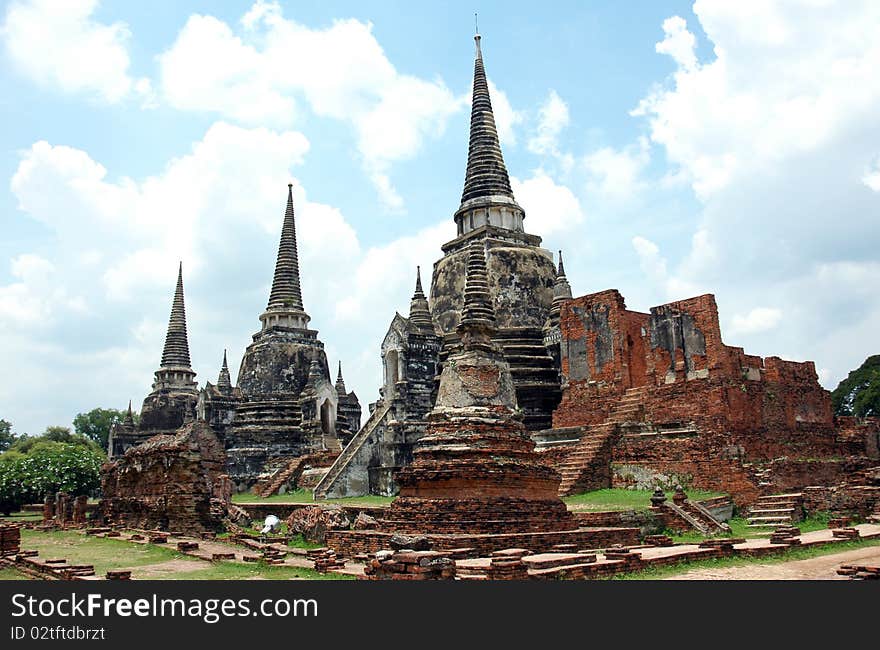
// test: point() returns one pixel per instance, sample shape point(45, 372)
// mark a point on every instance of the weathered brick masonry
point(169, 482)
point(689, 409)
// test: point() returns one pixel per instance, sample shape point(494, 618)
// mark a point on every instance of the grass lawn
point(12, 574)
point(21, 516)
point(305, 496)
point(103, 553)
point(598, 500)
point(618, 499)
point(146, 560)
point(739, 527)
point(255, 571)
point(724, 562)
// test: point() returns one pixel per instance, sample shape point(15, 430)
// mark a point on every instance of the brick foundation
point(356, 542)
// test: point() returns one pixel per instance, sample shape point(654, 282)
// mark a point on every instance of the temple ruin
point(522, 282)
point(611, 397)
point(169, 482)
point(284, 405)
point(288, 401)
point(175, 392)
point(475, 480)
point(659, 400)
point(607, 396)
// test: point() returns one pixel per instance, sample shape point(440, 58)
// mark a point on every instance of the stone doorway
point(636, 363)
point(327, 418)
point(392, 375)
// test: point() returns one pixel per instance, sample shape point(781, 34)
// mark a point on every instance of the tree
point(6, 436)
point(53, 435)
point(48, 467)
point(57, 433)
point(96, 424)
point(859, 393)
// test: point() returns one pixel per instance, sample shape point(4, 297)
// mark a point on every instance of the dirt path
point(823, 567)
point(163, 569)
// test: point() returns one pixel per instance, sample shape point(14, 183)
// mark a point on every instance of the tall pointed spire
point(561, 292)
point(224, 381)
point(128, 420)
point(419, 312)
point(285, 306)
point(286, 293)
point(176, 371)
point(487, 198)
point(561, 287)
point(419, 290)
point(486, 173)
point(176, 351)
point(340, 382)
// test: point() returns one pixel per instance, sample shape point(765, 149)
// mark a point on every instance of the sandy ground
point(823, 567)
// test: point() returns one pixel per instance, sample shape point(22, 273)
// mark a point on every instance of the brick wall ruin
point(690, 409)
point(170, 482)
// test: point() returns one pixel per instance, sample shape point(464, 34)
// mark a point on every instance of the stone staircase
point(707, 520)
point(761, 474)
point(534, 374)
point(776, 510)
point(588, 466)
point(630, 407)
point(692, 513)
point(291, 471)
point(351, 449)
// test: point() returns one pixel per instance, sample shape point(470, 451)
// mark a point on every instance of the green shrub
point(48, 467)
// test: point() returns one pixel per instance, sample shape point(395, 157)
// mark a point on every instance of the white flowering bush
point(49, 467)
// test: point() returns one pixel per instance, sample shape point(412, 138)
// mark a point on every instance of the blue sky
point(671, 149)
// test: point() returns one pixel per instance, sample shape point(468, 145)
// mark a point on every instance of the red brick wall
point(746, 409)
point(741, 391)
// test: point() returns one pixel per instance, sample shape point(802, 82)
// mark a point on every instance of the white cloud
point(385, 276)
point(219, 209)
point(768, 95)
point(22, 302)
point(650, 260)
point(776, 135)
point(616, 174)
point(871, 177)
point(58, 44)
point(553, 117)
point(759, 319)
point(679, 43)
point(227, 178)
point(550, 207)
point(209, 68)
point(259, 74)
point(507, 119)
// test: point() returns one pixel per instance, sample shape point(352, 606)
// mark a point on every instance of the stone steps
point(590, 454)
point(281, 477)
point(776, 510)
point(768, 525)
point(771, 512)
point(359, 440)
